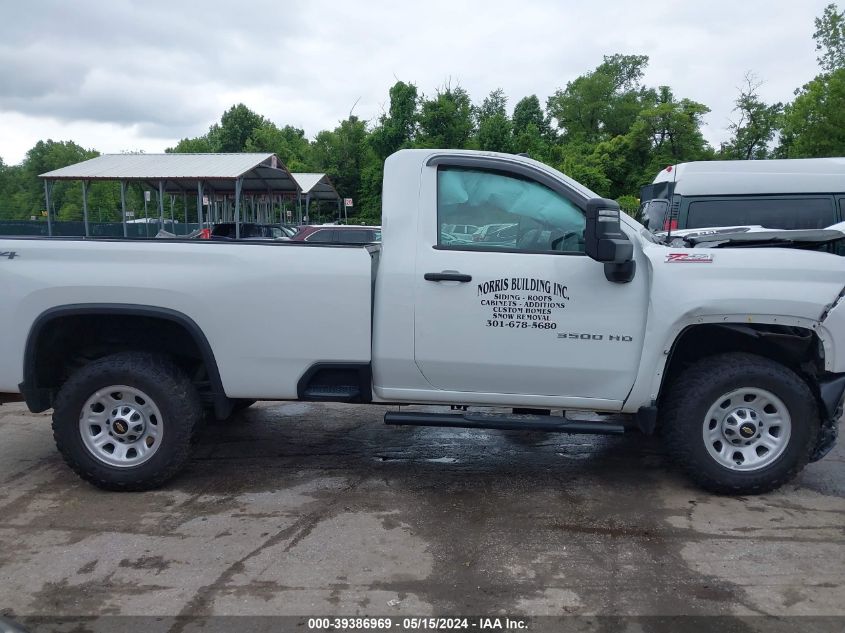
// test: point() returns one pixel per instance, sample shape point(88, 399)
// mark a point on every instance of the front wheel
point(124, 422)
point(740, 423)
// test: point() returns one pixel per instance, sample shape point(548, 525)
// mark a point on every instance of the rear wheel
point(740, 423)
point(124, 422)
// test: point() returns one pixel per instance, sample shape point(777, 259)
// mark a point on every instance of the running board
point(502, 422)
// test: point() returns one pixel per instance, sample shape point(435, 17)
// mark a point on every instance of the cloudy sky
point(119, 75)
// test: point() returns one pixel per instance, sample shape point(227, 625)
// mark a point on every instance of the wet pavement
point(301, 509)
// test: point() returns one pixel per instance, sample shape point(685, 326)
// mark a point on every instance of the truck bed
point(268, 310)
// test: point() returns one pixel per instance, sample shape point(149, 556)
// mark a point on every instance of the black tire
point(700, 386)
point(170, 389)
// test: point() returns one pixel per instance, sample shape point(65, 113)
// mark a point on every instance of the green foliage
point(755, 127)
point(495, 131)
point(288, 143)
point(814, 123)
point(528, 112)
point(237, 125)
point(198, 145)
point(343, 154)
point(602, 103)
point(830, 38)
point(446, 121)
point(629, 204)
point(397, 129)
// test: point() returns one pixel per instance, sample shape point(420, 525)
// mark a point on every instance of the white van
point(805, 193)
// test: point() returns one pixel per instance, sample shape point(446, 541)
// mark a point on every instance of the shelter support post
point(48, 186)
point(238, 185)
point(123, 206)
point(85, 206)
point(161, 205)
point(199, 203)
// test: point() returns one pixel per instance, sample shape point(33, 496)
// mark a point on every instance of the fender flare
point(39, 399)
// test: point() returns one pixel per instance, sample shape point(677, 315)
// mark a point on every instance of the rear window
point(323, 235)
point(354, 236)
point(773, 213)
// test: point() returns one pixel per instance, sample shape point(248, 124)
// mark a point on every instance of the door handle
point(447, 276)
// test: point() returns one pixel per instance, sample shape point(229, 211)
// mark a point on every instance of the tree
point(198, 145)
point(602, 103)
point(446, 120)
point(830, 38)
point(237, 125)
point(814, 123)
point(344, 154)
point(755, 126)
point(66, 197)
point(288, 143)
point(528, 112)
point(398, 127)
point(495, 132)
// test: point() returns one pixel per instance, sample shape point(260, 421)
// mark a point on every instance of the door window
point(510, 213)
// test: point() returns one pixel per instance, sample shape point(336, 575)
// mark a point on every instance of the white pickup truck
point(731, 344)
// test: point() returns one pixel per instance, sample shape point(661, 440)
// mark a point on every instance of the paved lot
point(321, 509)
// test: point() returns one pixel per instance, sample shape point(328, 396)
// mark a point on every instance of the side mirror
point(604, 240)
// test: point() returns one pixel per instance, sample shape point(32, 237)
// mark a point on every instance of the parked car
point(250, 231)
point(459, 229)
point(338, 234)
point(806, 193)
point(733, 344)
point(497, 234)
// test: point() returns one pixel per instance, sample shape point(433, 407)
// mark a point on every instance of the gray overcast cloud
point(131, 74)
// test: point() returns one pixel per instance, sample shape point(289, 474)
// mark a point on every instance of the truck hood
point(753, 237)
point(809, 238)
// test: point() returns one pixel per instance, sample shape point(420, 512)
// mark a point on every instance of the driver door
point(517, 307)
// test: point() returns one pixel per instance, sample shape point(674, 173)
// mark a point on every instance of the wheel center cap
point(126, 420)
point(747, 430)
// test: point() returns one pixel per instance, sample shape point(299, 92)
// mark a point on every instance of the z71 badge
point(689, 258)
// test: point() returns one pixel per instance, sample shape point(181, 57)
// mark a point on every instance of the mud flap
point(832, 391)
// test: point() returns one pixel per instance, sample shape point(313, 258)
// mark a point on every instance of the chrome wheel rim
point(121, 426)
point(747, 429)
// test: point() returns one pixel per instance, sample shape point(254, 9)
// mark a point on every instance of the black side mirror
point(604, 241)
